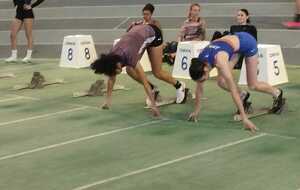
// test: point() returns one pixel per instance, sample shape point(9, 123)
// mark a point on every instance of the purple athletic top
point(133, 44)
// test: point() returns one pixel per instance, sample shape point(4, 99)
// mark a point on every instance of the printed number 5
point(276, 68)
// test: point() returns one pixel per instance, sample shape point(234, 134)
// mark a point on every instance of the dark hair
point(196, 69)
point(149, 7)
point(106, 64)
point(247, 14)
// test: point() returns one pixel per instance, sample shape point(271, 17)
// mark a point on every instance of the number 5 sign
point(271, 66)
point(78, 51)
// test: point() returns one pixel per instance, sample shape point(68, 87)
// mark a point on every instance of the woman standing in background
point(24, 17)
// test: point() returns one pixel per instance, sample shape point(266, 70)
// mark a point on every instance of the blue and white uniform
point(248, 48)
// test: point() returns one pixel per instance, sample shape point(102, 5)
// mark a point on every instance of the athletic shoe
point(11, 60)
point(181, 94)
point(246, 104)
point(26, 60)
point(278, 104)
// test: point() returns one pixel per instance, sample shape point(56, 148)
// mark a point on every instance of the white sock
point(14, 53)
point(277, 93)
point(243, 94)
point(29, 53)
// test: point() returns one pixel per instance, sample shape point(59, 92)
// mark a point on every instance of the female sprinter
point(222, 54)
point(127, 53)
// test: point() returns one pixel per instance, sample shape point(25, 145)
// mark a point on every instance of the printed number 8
point(70, 54)
point(87, 53)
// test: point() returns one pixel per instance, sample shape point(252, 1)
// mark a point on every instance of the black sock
point(177, 85)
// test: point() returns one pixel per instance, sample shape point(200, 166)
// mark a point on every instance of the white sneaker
point(26, 60)
point(11, 60)
point(180, 93)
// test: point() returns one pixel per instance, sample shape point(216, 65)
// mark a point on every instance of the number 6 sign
point(185, 52)
point(78, 51)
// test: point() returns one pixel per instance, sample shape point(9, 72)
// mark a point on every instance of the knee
point(157, 74)
point(29, 35)
point(252, 86)
point(13, 36)
point(221, 82)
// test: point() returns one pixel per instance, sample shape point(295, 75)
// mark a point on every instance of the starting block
point(38, 81)
point(144, 61)
point(98, 89)
point(78, 51)
point(186, 51)
point(271, 67)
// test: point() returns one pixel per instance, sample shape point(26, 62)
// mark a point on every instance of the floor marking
point(79, 140)
point(10, 99)
point(4, 124)
point(17, 97)
point(281, 136)
point(136, 172)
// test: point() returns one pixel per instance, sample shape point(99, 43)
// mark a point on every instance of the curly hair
point(106, 64)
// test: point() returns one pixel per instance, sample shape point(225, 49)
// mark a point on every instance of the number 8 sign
point(78, 51)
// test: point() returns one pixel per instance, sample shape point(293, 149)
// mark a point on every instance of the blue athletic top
point(248, 48)
point(208, 54)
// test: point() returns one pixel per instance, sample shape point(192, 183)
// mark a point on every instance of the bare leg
point(253, 84)
point(16, 26)
point(28, 31)
point(155, 55)
point(297, 6)
point(131, 72)
point(220, 80)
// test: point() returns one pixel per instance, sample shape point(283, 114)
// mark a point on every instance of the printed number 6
point(184, 64)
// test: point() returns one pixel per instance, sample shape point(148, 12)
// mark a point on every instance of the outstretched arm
point(110, 86)
point(199, 91)
point(225, 71)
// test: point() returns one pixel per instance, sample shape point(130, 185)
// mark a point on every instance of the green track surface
point(57, 142)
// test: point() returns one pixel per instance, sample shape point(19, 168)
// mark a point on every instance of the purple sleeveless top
point(133, 44)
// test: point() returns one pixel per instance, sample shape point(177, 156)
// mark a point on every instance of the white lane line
point(17, 97)
point(4, 124)
point(123, 22)
point(136, 172)
point(10, 99)
point(281, 136)
point(79, 140)
point(26, 97)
